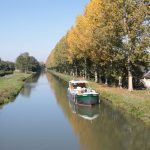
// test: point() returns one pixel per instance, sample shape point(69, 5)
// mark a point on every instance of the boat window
point(82, 85)
point(75, 85)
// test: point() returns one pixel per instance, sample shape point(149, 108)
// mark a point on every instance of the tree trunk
point(76, 71)
point(85, 68)
point(96, 76)
point(130, 80)
point(100, 79)
point(126, 34)
point(106, 81)
point(120, 82)
point(80, 73)
point(100, 76)
point(65, 71)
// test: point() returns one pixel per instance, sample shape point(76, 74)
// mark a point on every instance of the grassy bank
point(136, 103)
point(11, 86)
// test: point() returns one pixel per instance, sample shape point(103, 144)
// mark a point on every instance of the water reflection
point(109, 131)
point(88, 113)
point(30, 85)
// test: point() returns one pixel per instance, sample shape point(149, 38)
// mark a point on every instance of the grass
point(11, 86)
point(136, 103)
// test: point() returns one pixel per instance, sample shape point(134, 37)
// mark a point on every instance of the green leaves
point(6, 67)
point(26, 63)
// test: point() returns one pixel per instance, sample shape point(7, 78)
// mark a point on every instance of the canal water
point(42, 118)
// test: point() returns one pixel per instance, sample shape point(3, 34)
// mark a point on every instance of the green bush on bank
point(3, 73)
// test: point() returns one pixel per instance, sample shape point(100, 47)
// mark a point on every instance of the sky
point(35, 26)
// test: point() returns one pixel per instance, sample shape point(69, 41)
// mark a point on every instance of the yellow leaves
point(95, 7)
point(98, 34)
point(72, 42)
point(78, 38)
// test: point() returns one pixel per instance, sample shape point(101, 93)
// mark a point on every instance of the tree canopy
point(6, 67)
point(26, 63)
point(111, 39)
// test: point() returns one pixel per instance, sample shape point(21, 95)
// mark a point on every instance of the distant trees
point(24, 63)
point(6, 67)
point(27, 63)
point(109, 42)
point(42, 66)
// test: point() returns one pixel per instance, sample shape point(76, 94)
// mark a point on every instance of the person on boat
point(71, 87)
point(79, 90)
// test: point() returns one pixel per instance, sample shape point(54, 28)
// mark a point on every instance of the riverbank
point(136, 103)
point(11, 86)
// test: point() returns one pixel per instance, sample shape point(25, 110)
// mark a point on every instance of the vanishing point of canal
point(42, 118)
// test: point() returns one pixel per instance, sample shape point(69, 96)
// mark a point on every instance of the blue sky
point(35, 26)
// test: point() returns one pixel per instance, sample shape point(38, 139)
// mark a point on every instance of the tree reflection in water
point(88, 113)
point(30, 85)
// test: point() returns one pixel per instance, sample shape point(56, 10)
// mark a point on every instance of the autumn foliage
point(110, 40)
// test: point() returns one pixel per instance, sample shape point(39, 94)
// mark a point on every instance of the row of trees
point(24, 63)
point(6, 67)
point(110, 41)
point(27, 63)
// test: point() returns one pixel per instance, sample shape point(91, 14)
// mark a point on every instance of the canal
point(42, 118)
